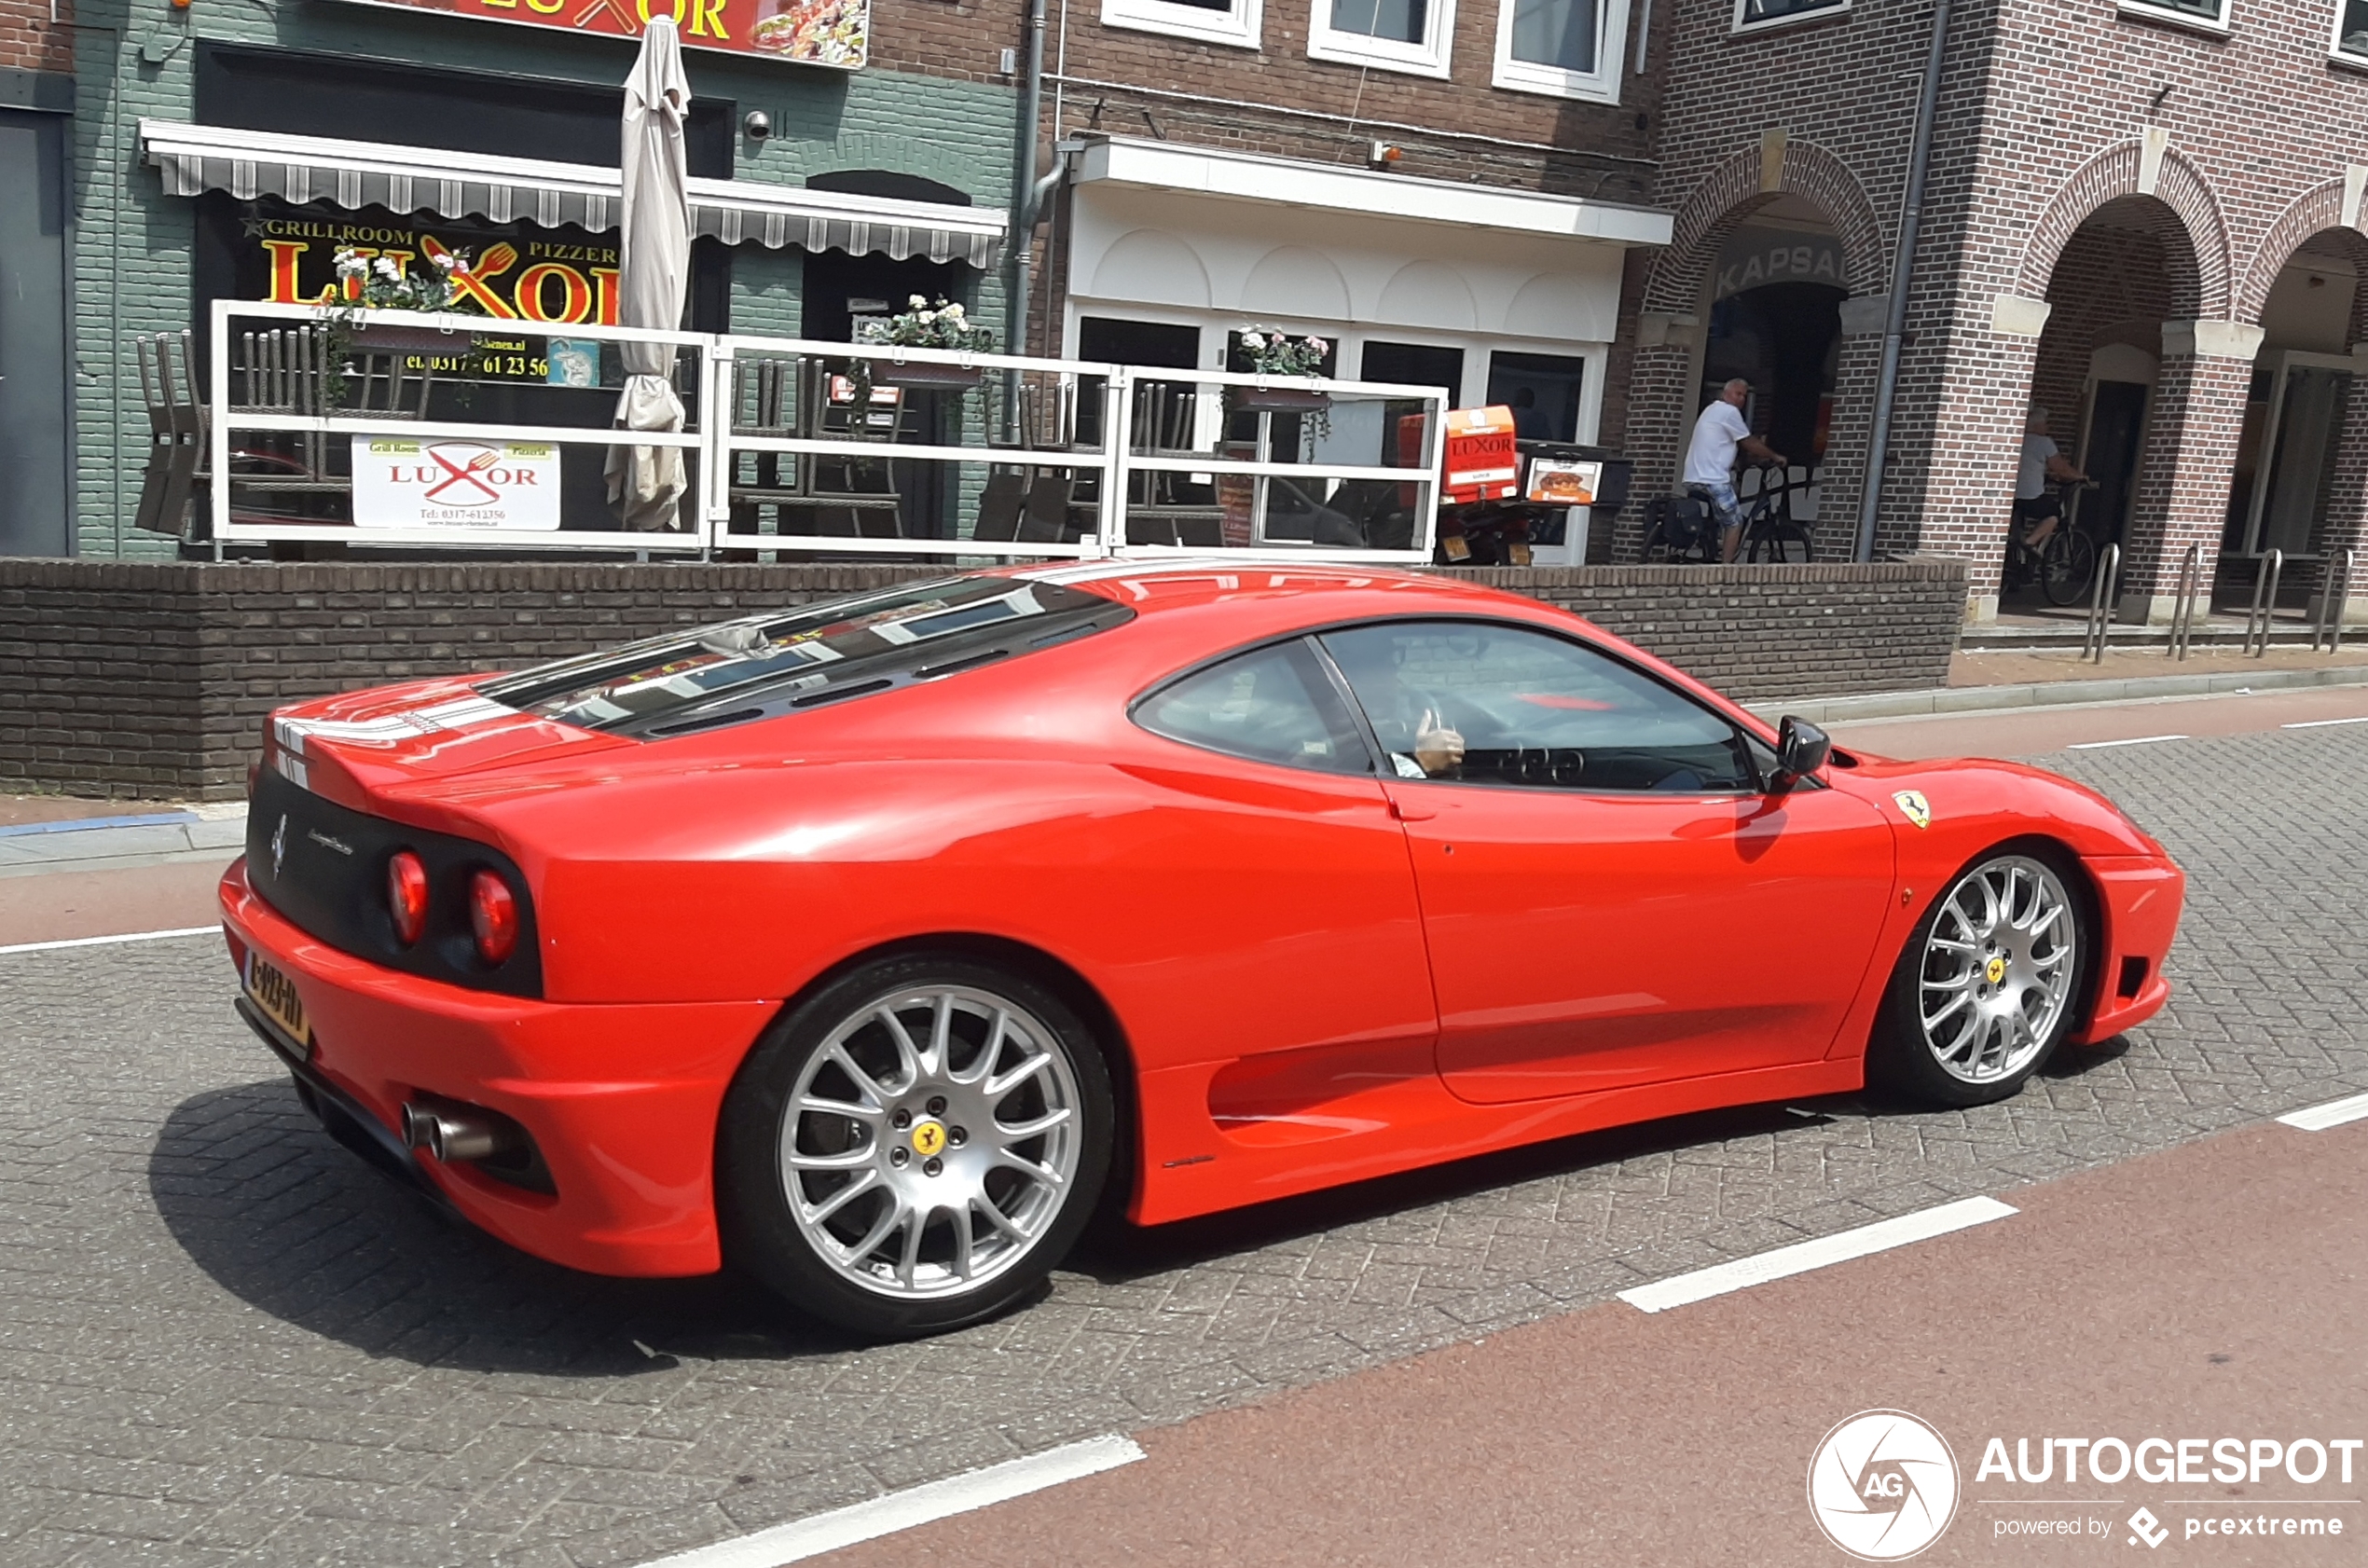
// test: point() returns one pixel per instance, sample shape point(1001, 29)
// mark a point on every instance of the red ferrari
point(873, 946)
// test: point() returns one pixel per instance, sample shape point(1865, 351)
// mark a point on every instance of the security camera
point(759, 125)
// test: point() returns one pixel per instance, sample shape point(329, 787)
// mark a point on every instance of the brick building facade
point(2138, 211)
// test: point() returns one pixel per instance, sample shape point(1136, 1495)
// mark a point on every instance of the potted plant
point(1277, 353)
point(367, 283)
point(923, 324)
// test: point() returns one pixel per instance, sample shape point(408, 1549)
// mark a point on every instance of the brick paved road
point(222, 1341)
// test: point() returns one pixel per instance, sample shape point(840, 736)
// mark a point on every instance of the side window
point(1486, 703)
point(1274, 704)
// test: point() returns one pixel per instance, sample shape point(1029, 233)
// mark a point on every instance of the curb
point(2052, 693)
point(213, 837)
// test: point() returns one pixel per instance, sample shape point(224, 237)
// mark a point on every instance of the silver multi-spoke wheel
point(1998, 970)
point(930, 1141)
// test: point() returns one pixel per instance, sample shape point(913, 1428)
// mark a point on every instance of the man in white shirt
point(1710, 461)
point(2037, 513)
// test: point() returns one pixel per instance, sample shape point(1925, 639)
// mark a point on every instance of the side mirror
point(1801, 749)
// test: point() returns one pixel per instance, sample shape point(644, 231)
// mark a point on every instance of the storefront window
point(1760, 13)
point(2351, 28)
point(1391, 34)
point(1543, 392)
point(1570, 48)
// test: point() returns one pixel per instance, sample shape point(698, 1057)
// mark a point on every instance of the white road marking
point(1800, 1258)
point(2135, 740)
point(802, 1538)
point(2322, 724)
point(102, 941)
point(2318, 1119)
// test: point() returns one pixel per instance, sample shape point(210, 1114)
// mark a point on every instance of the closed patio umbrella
point(646, 482)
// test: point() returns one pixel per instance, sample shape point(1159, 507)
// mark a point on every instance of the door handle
point(1405, 813)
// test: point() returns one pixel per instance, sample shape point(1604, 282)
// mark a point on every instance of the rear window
point(760, 666)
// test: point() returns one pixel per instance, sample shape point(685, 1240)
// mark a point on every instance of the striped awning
point(454, 185)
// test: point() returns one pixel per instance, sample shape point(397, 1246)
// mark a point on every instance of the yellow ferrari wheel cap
point(1995, 971)
point(928, 1138)
point(1914, 806)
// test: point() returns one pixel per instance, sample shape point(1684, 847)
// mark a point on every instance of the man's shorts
point(2037, 507)
point(1721, 501)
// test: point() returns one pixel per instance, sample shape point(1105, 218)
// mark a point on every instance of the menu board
point(830, 33)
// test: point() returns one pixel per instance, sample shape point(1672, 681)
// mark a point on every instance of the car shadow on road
point(285, 1219)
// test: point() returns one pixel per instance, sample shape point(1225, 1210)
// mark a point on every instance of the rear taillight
point(493, 914)
point(407, 896)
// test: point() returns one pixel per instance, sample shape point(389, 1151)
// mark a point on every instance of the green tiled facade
point(132, 243)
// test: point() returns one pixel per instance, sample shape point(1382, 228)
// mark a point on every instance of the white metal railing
point(784, 449)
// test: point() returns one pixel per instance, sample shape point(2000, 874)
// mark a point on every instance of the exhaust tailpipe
point(448, 1131)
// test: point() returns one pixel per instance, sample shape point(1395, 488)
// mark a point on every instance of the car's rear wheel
point(1988, 986)
point(915, 1145)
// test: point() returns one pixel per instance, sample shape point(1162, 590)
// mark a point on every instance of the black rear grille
point(324, 868)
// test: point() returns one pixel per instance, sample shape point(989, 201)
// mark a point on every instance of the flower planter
point(926, 377)
point(1281, 400)
point(387, 335)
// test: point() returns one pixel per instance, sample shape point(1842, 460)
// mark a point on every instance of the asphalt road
point(221, 1340)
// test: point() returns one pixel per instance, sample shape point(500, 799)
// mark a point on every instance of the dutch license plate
point(276, 995)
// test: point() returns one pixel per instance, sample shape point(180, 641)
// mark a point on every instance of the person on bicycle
point(2038, 511)
point(1710, 461)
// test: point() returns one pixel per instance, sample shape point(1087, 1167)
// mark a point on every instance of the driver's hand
point(1437, 749)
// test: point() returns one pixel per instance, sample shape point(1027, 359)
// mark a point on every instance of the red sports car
point(873, 944)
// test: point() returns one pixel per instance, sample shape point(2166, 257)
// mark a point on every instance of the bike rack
point(2182, 611)
point(2334, 594)
point(2101, 605)
point(2265, 605)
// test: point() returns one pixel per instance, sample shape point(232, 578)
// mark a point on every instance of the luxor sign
point(449, 484)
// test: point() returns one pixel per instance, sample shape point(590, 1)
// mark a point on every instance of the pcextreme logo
point(1883, 1485)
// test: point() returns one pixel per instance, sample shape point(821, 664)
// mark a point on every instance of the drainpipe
point(1028, 190)
point(1895, 325)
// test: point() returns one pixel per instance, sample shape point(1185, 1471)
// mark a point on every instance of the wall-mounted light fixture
point(759, 125)
point(1385, 155)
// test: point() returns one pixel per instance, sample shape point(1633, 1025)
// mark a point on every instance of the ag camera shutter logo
point(1883, 1485)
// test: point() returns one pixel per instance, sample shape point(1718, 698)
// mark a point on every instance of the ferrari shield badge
point(1914, 806)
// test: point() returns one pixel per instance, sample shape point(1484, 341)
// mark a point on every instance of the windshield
point(817, 653)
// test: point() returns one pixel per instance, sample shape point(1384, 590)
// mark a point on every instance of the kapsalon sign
point(831, 32)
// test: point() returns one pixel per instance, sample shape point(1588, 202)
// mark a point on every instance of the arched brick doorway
point(1778, 194)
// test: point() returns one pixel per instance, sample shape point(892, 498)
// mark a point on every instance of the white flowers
point(917, 303)
point(926, 317)
point(952, 313)
point(1253, 340)
point(445, 261)
point(386, 268)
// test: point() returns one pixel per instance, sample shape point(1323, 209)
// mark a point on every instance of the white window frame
point(2336, 50)
point(2140, 10)
point(1831, 9)
point(1238, 28)
point(1428, 58)
point(1599, 86)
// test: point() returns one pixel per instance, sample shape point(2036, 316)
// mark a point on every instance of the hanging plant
point(922, 324)
point(380, 284)
point(1278, 353)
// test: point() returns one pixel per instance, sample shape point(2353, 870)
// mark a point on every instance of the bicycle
point(2065, 564)
point(1769, 531)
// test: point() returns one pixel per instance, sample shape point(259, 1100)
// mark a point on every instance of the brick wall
point(147, 679)
point(30, 41)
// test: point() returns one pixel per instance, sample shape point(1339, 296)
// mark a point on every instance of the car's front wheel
point(915, 1145)
point(1988, 986)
